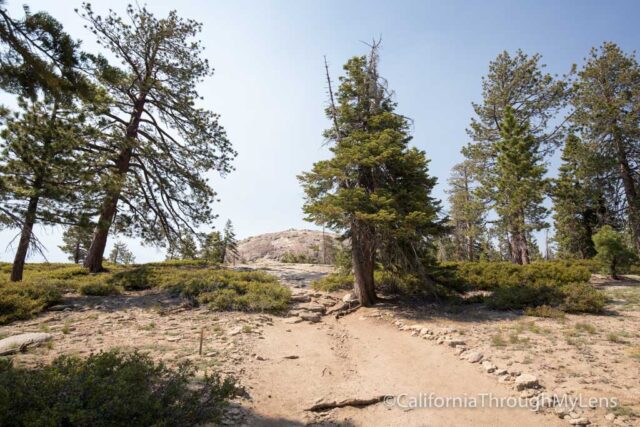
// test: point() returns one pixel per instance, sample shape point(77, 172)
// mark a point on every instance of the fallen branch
point(347, 310)
point(358, 403)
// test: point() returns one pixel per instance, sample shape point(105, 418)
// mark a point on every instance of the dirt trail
point(361, 356)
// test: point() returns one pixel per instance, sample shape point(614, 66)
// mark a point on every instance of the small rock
point(235, 331)
point(292, 320)
point(501, 372)
point(580, 422)
point(300, 298)
point(310, 317)
point(504, 378)
point(293, 356)
point(488, 366)
point(610, 416)
point(459, 350)
point(455, 343)
point(524, 381)
point(474, 357)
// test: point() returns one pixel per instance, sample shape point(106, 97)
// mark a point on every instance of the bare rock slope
point(301, 245)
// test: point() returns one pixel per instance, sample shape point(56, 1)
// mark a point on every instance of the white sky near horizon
point(269, 85)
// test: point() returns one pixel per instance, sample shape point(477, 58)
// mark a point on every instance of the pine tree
point(36, 56)
point(466, 213)
point(578, 202)
point(77, 239)
point(375, 189)
point(230, 242)
point(120, 254)
point(43, 168)
point(212, 248)
point(607, 105)
point(159, 143)
point(517, 185)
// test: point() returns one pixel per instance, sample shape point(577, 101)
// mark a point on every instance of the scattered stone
point(310, 317)
point(300, 298)
point(293, 356)
point(524, 381)
point(488, 366)
point(501, 372)
point(16, 343)
point(459, 350)
point(455, 343)
point(292, 320)
point(610, 416)
point(474, 357)
point(235, 331)
point(504, 378)
point(317, 308)
point(580, 422)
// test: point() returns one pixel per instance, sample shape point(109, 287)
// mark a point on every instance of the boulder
point(16, 343)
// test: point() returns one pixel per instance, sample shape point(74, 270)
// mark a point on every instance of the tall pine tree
point(606, 105)
point(517, 185)
point(158, 143)
point(375, 189)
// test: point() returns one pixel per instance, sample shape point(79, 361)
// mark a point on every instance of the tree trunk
point(25, 238)
point(95, 254)
point(76, 253)
point(362, 251)
point(629, 190)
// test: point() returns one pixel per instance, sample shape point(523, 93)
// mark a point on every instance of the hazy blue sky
point(269, 84)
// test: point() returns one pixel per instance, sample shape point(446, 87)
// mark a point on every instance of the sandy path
point(359, 356)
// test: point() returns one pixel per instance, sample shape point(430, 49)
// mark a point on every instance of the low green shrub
point(493, 275)
point(227, 289)
point(19, 301)
point(582, 298)
point(571, 298)
point(545, 311)
point(333, 282)
point(98, 288)
point(135, 279)
point(294, 258)
point(109, 389)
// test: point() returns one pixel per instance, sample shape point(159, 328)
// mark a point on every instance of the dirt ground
point(415, 356)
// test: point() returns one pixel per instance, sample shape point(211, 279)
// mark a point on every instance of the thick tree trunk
point(76, 254)
point(630, 191)
point(95, 254)
point(25, 238)
point(362, 251)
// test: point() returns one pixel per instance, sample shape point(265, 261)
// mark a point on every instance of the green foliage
point(227, 290)
point(545, 311)
point(293, 258)
point(333, 282)
point(197, 282)
point(212, 249)
point(230, 243)
point(110, 389)
point(120, 254)
point(516, 184)
point(491, 275)
point(578, 201)
point(606, 101)
point(19, 301)
point(375, 188)
point(467, 214)
point(77, 240)
point(582, 298)
point(98, 288)
point(154, 169)
point(612, 252)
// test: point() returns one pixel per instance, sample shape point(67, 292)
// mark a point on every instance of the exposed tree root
point(358, 403)
point(346, 310)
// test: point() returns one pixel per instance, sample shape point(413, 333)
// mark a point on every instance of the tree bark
point(95, 254)
point(630, 190)
point(363, 254)
point(25, 238)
